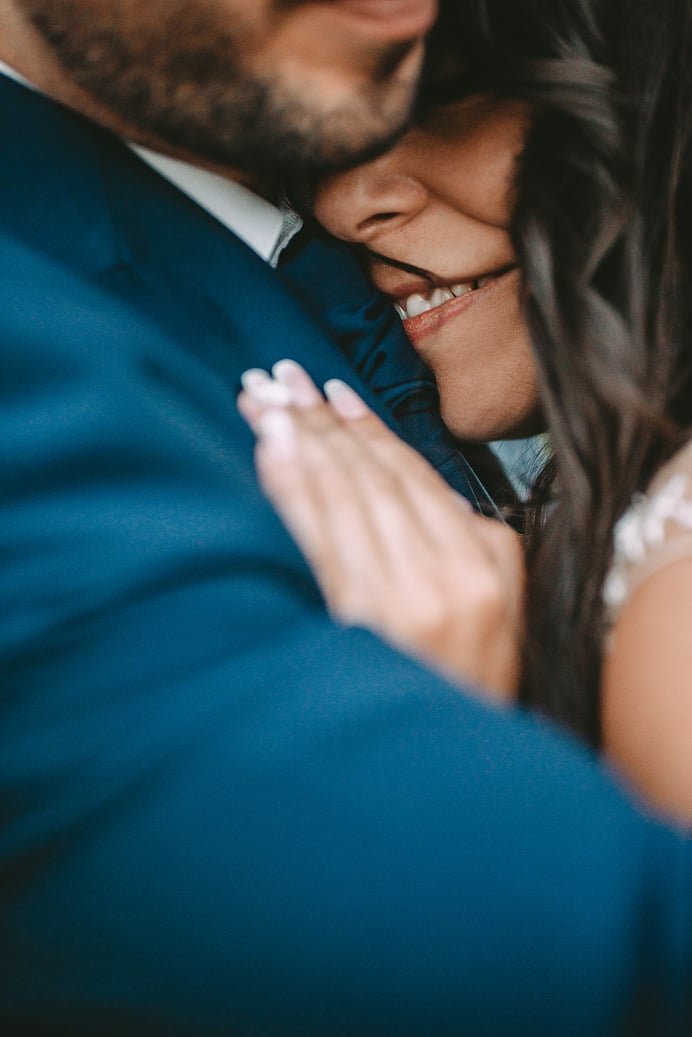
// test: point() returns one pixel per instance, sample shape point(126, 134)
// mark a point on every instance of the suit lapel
point(73, 191)
point(243, 316)
point(52, 198)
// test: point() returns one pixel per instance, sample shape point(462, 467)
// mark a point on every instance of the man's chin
point(352, 129)
point(325, 103)
point(368, 124)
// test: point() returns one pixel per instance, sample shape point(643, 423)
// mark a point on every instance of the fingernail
point(253, 376)
point(277, 432)
point(302, 388)
point(345, 401)
point(268, 392)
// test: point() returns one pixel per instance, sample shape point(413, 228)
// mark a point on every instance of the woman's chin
point(489, 426)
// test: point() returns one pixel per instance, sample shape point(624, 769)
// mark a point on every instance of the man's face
point(261, 85)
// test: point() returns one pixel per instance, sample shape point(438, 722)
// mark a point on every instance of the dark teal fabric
point(220, 813)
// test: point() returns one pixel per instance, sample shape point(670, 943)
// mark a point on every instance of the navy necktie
point(327, 278)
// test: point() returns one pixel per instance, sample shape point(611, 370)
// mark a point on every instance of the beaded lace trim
point(644, 529)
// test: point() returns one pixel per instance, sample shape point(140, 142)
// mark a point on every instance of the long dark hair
point(603, 231)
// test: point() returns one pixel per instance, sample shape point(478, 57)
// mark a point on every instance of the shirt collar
point(266, 228)
point(12, 73)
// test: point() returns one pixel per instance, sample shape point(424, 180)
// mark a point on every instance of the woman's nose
point(363, 202)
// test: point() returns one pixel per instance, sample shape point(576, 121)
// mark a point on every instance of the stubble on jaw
point(176, 71)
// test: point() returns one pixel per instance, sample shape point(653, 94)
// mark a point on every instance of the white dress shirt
point(266, 228)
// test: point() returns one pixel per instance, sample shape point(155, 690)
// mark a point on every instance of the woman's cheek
point(488, 394)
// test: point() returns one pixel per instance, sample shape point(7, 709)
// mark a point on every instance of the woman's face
point(441, 201)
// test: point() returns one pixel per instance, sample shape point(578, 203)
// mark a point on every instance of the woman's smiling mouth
point(422, 314)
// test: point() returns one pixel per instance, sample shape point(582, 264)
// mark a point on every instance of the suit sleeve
point(221, 813)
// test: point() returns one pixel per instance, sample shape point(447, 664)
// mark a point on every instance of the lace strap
point(654, 532)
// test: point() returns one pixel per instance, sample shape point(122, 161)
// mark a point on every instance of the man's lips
point(393, 20)
point(427, 323)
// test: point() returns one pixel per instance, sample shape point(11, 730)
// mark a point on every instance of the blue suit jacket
point(221, 813)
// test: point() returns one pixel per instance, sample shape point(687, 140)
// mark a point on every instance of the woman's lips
point(420, 327)
point(395, 20)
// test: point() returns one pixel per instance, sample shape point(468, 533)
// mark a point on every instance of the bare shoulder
point(647, 688)
point(647, 672)
point(654, 532)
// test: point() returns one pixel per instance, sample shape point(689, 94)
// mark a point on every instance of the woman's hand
point(393, 548)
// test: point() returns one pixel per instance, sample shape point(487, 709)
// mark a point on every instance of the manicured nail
point(253, 376)
point(301, 386)
point(277, 432)
point(263, 389)
point(345, 401)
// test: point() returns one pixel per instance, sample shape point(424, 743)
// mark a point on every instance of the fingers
point(342, 504)
point(347, 404)
point(395, 482)
point(291, 386)
point(303, 391)
point(294, 494)
point(287, 386)
point(392, 547)
point(429, 495)
point(312, 487)
point(352, 435)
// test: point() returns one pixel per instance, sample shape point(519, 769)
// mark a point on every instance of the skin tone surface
point(647, 699)
point(440, 201)
point(246, 89)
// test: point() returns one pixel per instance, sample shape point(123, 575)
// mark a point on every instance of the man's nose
point(369, 200)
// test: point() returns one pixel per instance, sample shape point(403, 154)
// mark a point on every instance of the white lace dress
point(654, 532)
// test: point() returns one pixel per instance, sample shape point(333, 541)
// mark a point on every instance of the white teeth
point(440, 296)
point(417, 304)
point(400, 310)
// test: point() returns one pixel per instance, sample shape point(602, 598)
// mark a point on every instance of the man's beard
point(184, 82)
